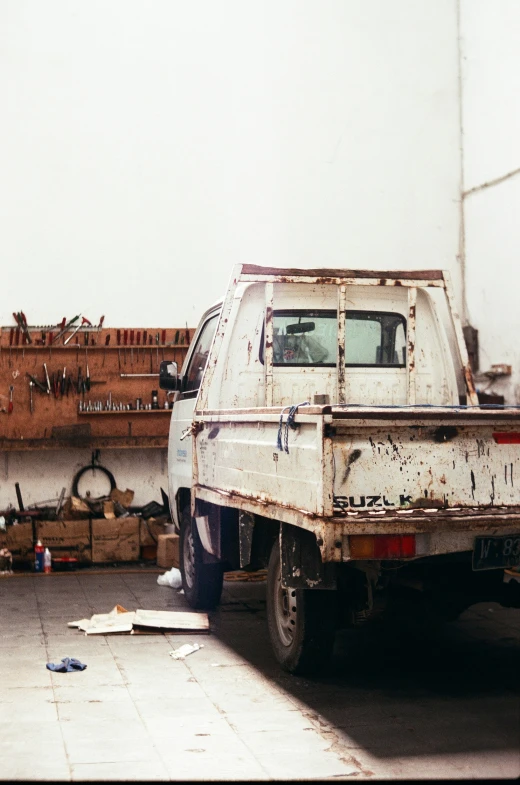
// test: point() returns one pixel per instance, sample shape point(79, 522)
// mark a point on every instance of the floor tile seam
point(45, 646)
point(55, 705)
point(157, 751)
point(61, 722)
point(129, 589)
point(165, 775)
point(126, 685)
point(237, 735)
point(329, 733)
point(261, 756)
point(82, 587)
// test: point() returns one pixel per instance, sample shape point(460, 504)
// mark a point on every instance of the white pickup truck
point(325, 424)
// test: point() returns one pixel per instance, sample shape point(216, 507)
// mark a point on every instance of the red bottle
point(38, 556)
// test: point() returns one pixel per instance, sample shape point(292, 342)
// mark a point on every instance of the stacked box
point(19, 540)
point(168, 550)
point(99, 541)
point(115, 540)
point(66, 539)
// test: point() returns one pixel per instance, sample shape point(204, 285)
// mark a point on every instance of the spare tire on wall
point(92, 468)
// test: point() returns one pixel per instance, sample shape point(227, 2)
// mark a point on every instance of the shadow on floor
point(399, 689)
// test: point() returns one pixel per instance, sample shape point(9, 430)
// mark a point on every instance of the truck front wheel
point(301, 622)
point(202, 583)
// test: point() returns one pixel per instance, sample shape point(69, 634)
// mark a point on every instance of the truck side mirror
point(168, 375)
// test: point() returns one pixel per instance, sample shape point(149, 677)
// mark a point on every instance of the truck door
point(180, 442)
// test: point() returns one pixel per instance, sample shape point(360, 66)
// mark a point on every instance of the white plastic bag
point(180, 654)
point(171, 578)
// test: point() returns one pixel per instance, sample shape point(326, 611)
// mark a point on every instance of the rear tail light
point(382, 546)
point(507, 438)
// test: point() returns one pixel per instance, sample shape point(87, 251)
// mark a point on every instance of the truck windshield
point(304, 337)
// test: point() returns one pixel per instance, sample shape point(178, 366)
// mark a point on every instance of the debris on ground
point(172, 620)
point(65, 522)
point(243, 575)
point(67, 665)
point(120, 620)
point(117, 504)
point(171, 578)
point(183, 651)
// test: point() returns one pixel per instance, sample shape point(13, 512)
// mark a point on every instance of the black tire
point(301, 622)
point(202, 583)
point(92, 468)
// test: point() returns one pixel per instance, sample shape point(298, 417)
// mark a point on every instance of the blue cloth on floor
point(67, 665)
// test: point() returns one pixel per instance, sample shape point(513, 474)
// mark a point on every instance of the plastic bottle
point(47, 560)
point(38, 556)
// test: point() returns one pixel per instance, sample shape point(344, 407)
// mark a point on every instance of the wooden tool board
point(56, 420)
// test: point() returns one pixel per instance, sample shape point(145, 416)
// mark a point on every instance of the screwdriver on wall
point(47, 378)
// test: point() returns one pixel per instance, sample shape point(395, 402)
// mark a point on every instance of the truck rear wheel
point(202, 583)
point(301, 622)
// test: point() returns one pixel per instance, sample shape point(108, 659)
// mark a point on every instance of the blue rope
point(289, 423)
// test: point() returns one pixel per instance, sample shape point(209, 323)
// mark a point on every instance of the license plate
point(494, 552)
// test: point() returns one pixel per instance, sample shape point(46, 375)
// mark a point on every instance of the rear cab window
point(309, 338)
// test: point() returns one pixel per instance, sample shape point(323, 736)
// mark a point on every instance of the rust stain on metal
point(352, 458)
point(239, 499)
point(398, 413)
point(328, 529)
point(470, 385)
point(325, 273)
point(426, 501)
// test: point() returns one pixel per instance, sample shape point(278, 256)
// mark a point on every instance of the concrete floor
point(395, 704)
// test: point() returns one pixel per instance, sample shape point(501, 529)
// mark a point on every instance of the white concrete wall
point(146, 148)
point(41, 478)
point(490, 43)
